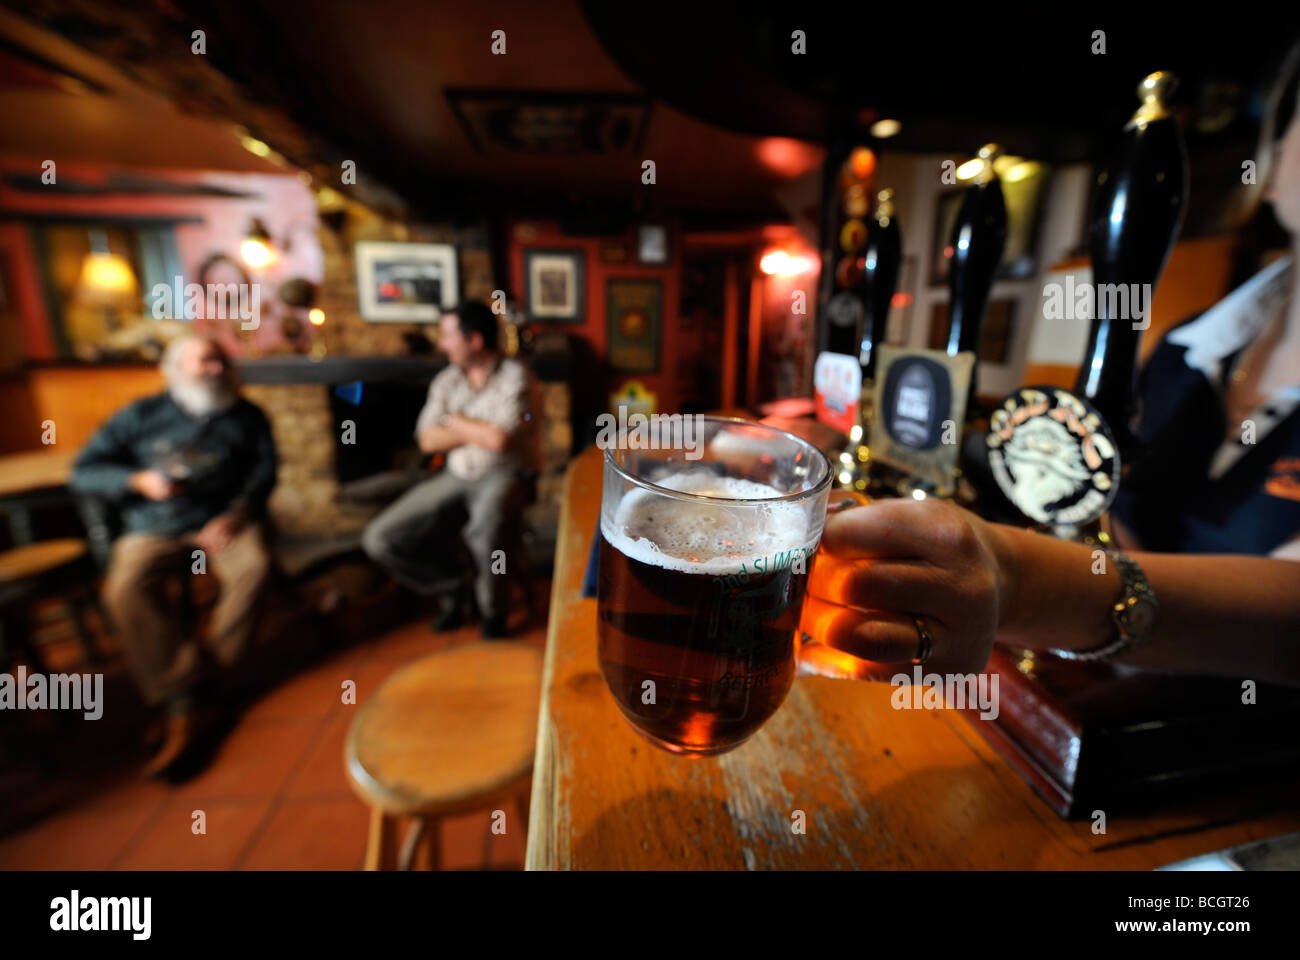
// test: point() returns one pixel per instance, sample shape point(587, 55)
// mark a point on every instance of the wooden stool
point(49, 568)
point(446, 734)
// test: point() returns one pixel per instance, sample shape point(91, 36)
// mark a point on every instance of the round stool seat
point(448, 731)
point(35, 559)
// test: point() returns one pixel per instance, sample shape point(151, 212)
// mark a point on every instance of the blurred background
point(645, 188)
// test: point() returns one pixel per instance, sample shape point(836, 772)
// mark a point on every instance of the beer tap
point(979, 235)
point(1057, 456)
point(1140, 201)
point(882, 259)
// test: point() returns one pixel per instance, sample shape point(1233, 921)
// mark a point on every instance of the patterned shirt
point(502, 401)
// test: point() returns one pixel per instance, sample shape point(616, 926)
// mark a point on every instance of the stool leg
point(407, 857)
point(382, 843)
point(432, 841)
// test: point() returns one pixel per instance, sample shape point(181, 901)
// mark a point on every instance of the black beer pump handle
point(1140, 201)
point(978, 238)
point(882, 259)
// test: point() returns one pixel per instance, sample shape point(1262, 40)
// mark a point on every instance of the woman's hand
point(883, 564)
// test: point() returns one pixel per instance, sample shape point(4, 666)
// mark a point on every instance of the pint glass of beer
point(704, 557)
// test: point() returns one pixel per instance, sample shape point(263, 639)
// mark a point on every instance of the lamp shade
point(106, 280)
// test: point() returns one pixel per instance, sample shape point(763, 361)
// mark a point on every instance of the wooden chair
point(450, 733)
point(60, 568)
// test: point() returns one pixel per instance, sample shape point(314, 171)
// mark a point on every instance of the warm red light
point(775, 262)
point(862, 162)
point(780, 262)
point(901, 299)
point(789, 158)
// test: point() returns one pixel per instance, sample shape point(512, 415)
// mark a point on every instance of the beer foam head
point(706, 537)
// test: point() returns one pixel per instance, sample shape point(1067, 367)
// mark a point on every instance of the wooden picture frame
point(406, 282)
point(634, 313)
point(554, 285)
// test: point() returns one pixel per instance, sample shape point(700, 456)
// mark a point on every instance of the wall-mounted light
point(884, 129)
point(779, 262)
point(256, 248)
point(106, 281)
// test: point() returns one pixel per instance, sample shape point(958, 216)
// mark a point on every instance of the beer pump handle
point(882, 259)
point(979, 235)
point(1140, 202)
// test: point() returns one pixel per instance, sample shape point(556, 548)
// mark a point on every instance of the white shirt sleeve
point(508, 412)
point(1289, 550)
point(434, 406)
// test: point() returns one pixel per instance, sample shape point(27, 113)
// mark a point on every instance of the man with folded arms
point(476, 412)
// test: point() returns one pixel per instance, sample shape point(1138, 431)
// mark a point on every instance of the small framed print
point(406, 282)
point(635, 311)
point(554, 283)
point(919, 404)
point(652, 243)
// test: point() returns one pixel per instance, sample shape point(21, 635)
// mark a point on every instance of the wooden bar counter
point(877, 787)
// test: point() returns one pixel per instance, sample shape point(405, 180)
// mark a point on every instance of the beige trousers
point(165, 662)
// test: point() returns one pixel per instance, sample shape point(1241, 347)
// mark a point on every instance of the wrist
point(1007, 555)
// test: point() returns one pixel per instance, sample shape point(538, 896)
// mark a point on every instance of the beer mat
point(593, 564)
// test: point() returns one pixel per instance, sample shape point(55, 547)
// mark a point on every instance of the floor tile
point(170, 841)
point(256, 760)
point(320, 833)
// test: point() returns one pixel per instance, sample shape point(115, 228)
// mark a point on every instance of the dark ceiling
point(704, 88)
point(955, 77)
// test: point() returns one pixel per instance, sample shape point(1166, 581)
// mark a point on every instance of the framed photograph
point(652, 243)
point(635, 313)
point(406, 282)
point(997, 336)
point(553, 280)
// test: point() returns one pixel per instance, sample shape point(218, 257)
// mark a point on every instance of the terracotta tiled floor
point(275, 796)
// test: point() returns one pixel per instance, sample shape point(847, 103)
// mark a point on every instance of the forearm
point(103, 479)
point(1235, 615)
point(481, 433)
point(437, 439)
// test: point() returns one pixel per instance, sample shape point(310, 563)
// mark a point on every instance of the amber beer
point(703, 568)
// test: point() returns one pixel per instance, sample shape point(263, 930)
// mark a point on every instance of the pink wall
point(283, 202)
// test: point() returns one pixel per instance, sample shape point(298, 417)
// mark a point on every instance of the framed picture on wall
point(635, 317)
point(996, 336)
point(1023, 188)
point(553, 284)
point(406, 282)
point(652, 243)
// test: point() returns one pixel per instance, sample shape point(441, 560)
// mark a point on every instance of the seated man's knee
point(375, 540)
point(118, 590)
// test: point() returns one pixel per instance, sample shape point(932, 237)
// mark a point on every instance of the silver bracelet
point(1134, 614)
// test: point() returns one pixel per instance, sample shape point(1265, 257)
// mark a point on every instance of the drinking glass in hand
point(703, 565)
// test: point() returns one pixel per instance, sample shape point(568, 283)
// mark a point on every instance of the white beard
point(200, 399)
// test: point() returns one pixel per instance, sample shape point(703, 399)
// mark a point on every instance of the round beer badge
point(1053, 456)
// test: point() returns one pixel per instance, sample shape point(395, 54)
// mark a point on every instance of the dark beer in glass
point(703, 565)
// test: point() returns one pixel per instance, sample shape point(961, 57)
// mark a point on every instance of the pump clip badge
point(1053, 456)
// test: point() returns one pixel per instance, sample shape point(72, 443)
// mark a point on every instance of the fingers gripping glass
point(704, 557)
